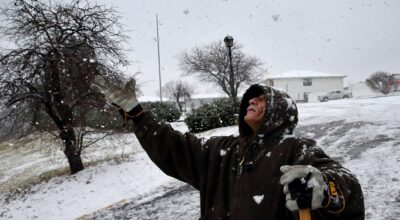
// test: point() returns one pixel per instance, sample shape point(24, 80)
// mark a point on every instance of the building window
point(307, 82)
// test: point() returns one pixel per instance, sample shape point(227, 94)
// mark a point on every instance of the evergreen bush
point(208, 116)
point(163, 111)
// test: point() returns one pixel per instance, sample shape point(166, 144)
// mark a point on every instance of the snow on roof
point(194, 96)
point(241, 91)
point(301, 74)
point(208, 95)
point(151, 99)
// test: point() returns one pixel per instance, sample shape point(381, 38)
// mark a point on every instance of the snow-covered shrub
point(226, 112)
point(163, 111)
point(208, 116)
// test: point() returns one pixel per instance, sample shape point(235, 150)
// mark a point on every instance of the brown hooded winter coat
point(238, 177)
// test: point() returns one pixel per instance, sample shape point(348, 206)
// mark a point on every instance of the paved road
point(175, 201)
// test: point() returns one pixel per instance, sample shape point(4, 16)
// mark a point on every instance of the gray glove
point(123, 97)
point(304, 186)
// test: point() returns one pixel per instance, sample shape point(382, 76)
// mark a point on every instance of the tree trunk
point(235, 104)
point(75, 162)
point(72, 152)
point(179, 104)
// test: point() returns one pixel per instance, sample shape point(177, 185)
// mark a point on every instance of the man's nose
point(253, 101)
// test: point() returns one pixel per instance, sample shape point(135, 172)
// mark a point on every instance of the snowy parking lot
point(363, 134)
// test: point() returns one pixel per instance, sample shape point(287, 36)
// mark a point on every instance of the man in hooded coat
point(264, 173)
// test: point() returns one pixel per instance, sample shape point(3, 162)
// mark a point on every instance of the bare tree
point(45, 78)
point(178, 90)
point(380, 82)
point(211, 64)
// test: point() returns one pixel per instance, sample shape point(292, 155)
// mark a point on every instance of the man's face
point(255, 112)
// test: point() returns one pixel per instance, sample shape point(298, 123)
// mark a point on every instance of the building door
point(305, 97)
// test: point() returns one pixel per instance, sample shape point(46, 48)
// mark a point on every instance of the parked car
point(335, 95)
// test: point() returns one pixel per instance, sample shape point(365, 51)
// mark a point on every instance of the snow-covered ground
point(361, 133)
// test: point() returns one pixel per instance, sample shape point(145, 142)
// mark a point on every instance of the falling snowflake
point(258, 198)
point(275, 17)
point(290, 104)
point(222, 152)
point(186, 11)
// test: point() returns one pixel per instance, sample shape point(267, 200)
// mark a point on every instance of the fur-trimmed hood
point(281, 114)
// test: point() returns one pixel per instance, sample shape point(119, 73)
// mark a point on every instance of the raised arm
point(182, 156)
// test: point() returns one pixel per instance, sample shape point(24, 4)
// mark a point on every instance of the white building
point(305, 86)
point(360, 89)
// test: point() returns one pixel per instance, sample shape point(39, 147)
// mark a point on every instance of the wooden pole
point(305, 214)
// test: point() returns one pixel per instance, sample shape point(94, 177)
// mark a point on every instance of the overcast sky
point(349, 37)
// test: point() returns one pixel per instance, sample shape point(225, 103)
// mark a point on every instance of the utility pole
point(158, 51)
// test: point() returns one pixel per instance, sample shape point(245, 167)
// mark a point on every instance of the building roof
point(208, 95)
point(194, 96)
point(302, 74)
point(151, 99)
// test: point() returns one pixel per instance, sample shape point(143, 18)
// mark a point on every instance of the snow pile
point(68, 197)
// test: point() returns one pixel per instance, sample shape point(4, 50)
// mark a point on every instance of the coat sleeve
point(344, 199)
point(182, 156)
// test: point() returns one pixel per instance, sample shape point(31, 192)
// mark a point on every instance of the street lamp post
point(229, 43)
